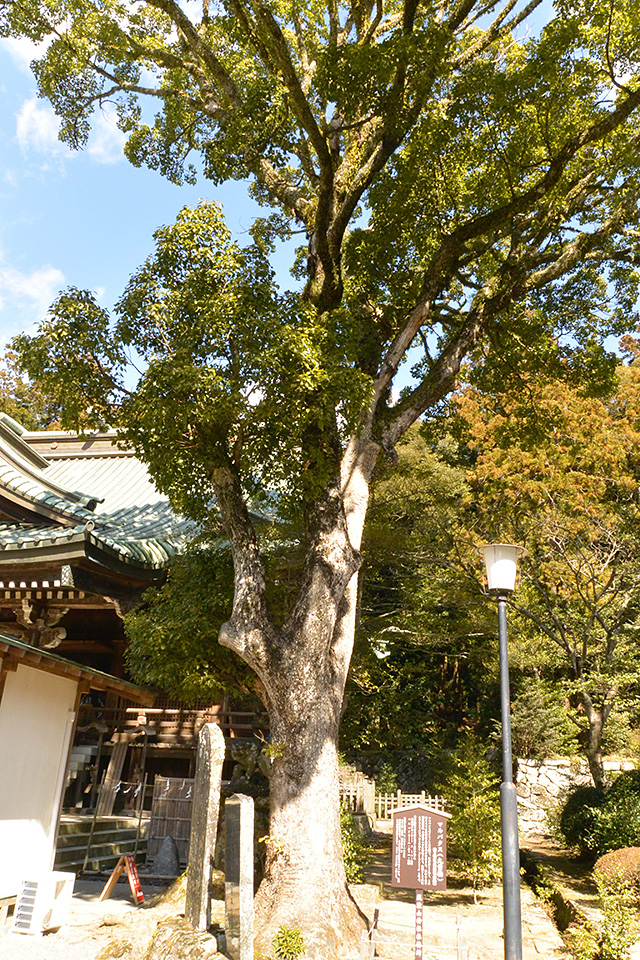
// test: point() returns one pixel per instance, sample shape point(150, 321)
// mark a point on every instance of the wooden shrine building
point(83, 533)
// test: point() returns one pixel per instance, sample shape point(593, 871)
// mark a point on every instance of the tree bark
point(305, 884)
point(302, 668)
point(593, 747)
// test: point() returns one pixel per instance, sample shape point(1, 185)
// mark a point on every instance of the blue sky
point(82, 218)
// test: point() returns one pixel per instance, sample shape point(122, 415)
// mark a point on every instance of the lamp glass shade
point(502, 560)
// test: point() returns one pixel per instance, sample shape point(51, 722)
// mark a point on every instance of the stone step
point(70, 824)
point(100, 852)
point(104, 835)
point(112, 838)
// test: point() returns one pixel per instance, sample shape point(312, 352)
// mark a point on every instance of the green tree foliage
point(473, 799)
point(22, 400)
point(423, 666)
point(558, 471)
point(172, 639)
point(540, 727)
point(231, 368)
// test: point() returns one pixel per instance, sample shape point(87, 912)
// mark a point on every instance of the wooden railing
point(386, 803)
point(171, 726)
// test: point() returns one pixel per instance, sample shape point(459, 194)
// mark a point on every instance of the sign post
point(419, 923)
point(419, 857)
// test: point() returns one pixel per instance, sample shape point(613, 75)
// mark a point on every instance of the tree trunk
point(594, 754)
point(597, 719)
point(302, 669)
point(305, 884)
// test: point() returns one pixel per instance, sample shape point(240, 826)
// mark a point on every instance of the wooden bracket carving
point(39, 624)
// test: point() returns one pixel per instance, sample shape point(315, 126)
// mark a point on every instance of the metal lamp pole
point(501, 560)
point(508, 806)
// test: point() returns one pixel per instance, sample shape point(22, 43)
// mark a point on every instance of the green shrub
point(626, 784)
point(474, 801)
point(577, 818)
point(618, 927)
point(355, 849)
point(583, 942)
point(616, 824)
point(597, 821)
point(288, 943)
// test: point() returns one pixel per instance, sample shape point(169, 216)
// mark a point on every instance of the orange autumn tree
point(558, 471)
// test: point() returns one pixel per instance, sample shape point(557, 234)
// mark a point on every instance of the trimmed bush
point(623, 865)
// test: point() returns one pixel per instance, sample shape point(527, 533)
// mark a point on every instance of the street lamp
point(501, 560)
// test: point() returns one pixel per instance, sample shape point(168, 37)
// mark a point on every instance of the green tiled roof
point(119, 512)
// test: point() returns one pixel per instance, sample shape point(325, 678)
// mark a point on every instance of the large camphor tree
point(463, 181)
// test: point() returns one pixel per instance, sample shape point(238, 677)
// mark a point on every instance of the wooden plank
point(113, 879)
point(112, 779)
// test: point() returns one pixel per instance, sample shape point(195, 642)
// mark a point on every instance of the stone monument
point(204, 825)
point(239, 877)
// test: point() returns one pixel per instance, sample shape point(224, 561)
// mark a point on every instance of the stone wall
point(542, 783)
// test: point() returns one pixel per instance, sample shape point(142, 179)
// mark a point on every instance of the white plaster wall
point(36, 720)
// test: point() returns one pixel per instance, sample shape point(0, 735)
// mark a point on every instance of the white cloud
point(22, 51)
point(26, 297)
point(106, 141)
point(37, 128)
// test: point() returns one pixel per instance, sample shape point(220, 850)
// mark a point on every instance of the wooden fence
point(386, 803)
point(359, 797)
point(170, 815)
point(359, 794)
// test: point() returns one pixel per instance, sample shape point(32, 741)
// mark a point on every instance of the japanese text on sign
point(419, 858)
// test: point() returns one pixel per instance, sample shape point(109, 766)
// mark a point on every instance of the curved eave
point(85, 549)
point(48, 506)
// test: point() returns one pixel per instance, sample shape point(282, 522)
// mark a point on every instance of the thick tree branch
point(201, 49)
point(249, 631)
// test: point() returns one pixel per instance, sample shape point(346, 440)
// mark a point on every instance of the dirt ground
point(452, 917)
point(124, 930)
point(93, 926)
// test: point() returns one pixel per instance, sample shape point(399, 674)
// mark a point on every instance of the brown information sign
point(419, 858)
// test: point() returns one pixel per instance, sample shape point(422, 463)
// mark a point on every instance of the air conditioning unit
point(43, 903)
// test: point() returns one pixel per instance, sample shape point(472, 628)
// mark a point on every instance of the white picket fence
point(386, 803)
point(361, 796)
